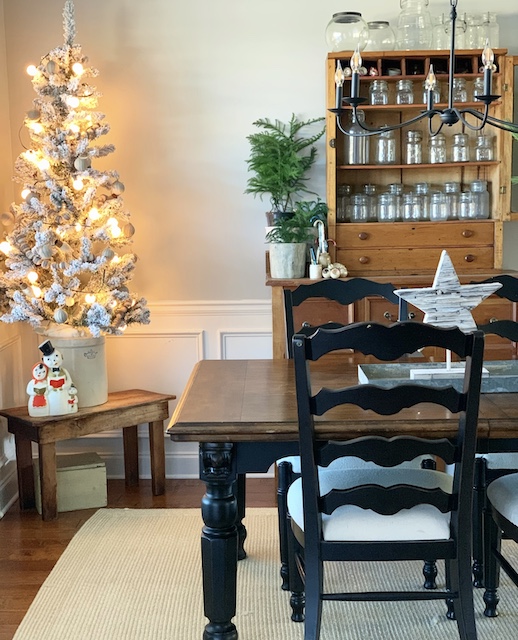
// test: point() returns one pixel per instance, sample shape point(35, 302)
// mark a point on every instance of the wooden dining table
point(243, 414)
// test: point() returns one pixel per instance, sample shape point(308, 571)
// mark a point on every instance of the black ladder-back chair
point(345, 292)
point(316, 510)
point(492, 466)
point(500, 519)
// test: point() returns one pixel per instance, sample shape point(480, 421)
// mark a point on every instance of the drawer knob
point(411, 315)
point(467, 233)
point(363, 260)
point(491, 320)
point(469, 258)
point(387, 315)
point(363, 235)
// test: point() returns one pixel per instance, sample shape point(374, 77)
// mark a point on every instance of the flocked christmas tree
point(65, 259)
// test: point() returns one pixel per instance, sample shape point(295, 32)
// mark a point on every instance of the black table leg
point(241, 505)
point(219, 540)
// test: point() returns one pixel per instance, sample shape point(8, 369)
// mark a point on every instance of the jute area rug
point(136, 575)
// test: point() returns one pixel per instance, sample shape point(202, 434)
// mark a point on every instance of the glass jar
point(385, 148)
point(343, 201)
point(412, 210)
point(451, 194)
point(491, 29)
point(484, 148)
point(413, 147)
point(347, 30)
point(460, 33)
point(404, 92)
point(440, 40)
point(478, 88)
point(436, 93)
point(372, 202)
point(422, 192)
point(438, 210)
point(437, 149)
point(381, 36)
point(414, 26)
point(459, 92)
point(460, 148)
point(465, 212)
point(474, 31)
point(387, 207)
point(378, 92)
point(359, 208)
point(396, 189)
point(479, 199)
point(356, 142)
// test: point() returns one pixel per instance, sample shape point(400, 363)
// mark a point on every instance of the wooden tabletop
point(254, 400)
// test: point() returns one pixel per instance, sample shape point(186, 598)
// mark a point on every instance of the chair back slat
point(345, 292)
point(388, 401)
point(385, 500)
point(386, 452)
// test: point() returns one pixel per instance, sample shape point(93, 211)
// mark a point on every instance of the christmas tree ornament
point(118, 187)
point(7, 218)
point(51, 66)
point(46, 251)
point(60, 316)
point(82, 163)
point(128, 230)
point(33, 114)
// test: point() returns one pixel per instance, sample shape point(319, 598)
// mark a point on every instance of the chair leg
point(492, 540)
point(284, 480)
point(479, 504)
point(314, 584)
point(450, 609)
point(461, 582)
point(430, 566)
point(296, 582)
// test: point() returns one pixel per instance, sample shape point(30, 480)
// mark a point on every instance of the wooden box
point(81, 481)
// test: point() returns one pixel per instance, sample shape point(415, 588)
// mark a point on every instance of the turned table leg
point(219, 540)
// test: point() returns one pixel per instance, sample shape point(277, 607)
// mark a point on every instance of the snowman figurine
point(58, 381)
point(37, 388)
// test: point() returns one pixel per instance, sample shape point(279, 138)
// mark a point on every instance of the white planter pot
point(85, 360)
point(287, 260)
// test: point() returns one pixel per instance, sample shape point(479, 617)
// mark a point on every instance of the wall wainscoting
point(158, 357)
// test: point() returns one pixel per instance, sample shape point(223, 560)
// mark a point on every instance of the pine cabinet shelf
point(416, 167)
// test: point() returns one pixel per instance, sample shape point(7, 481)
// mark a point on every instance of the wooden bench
point(124, 410)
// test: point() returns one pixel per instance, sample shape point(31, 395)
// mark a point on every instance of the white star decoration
point(448, 303)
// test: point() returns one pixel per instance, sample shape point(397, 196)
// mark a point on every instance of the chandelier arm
point(430, 128)
point(502, 124)
point(476, 114)
point(391, 127)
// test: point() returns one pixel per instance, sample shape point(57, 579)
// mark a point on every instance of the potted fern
point(280, 159)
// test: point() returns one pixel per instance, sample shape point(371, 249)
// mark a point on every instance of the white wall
point(182, 84)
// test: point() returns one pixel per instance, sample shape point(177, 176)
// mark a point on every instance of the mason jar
point(359, 208)
point(356, 142)
point(479, 199)
point(378, 92)
point(343, 201)
point(437, 149)
point(459, 93)
point(386, 207)
point(438, 210)
point(396, 189)
point(452, 195)
point(478, 88)
point(465, 212)
point(385, 148)
point(413, 147)
point(372, 202)
point(460, 148)
point(422, 191)
point(412, 210)
point(404, 92)
point(484, 148)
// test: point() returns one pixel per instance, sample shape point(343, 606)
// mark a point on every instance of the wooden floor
point(29, 548)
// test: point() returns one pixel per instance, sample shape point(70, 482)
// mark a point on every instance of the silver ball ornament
point(108, 253)
point(7, 217)
point(33, 114)
point(117, 187)
point(82, 163)
point(128, 229)
point(51, 66)
point(60, 316)
point(45, 251)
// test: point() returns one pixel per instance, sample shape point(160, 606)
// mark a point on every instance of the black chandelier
point(448, 116)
